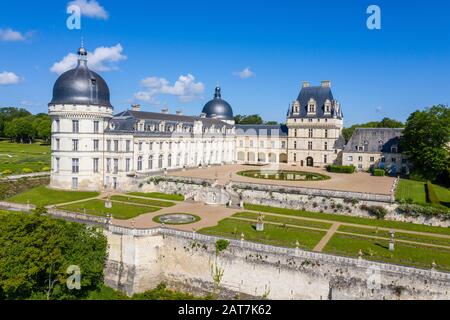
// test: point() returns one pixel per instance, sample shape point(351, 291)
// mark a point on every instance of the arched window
point(160, 161)
point(139, 164)
point(150, 163)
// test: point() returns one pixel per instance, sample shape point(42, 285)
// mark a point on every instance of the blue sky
point(151, 44)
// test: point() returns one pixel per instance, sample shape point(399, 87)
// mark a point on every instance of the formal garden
point(284, 175)
point(25, 158)
point(414, 245)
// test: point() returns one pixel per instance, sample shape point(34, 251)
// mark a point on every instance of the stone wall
point(141, 259)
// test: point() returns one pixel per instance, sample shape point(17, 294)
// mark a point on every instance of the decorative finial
point(82, 52)
point(218, 94)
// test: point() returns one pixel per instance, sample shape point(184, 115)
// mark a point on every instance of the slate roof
point(320, 94)
point(263, 129)
point(374, 140)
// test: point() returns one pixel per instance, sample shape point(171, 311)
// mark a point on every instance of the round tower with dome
point(218, 108)
point(80, 110)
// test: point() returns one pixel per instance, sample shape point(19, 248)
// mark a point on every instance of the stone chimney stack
point(306, 84)
point(165, 111)
point(179, 112)
point(136, 107)
point(326, 83)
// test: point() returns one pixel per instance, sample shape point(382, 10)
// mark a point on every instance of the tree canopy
point(251, 119)
point(37, 250)
point(21, 126)
point(426, 141)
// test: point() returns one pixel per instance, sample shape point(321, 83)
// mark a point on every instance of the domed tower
point(218, 108)
point(80, 110)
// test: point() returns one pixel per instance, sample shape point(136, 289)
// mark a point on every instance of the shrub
point(379, 173)
point(341, 169)
point(431, 194)
point(27, 170)
point(221, 245)
point(46, 169)
point(415, 210)
point(6, 172)
point(378, 211)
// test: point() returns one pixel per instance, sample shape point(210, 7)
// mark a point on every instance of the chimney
point(136, 107)
point(306, 84)
point(202, 115)
point(179, 113)
point(326, 84)
point(165, 111)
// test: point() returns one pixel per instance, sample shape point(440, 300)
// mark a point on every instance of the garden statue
point(260, 222)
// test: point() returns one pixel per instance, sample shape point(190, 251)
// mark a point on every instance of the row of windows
point(372, 159)
point(310, 145)
point(76, 126)
point(310, 119)
point(325, 158)
point(262, 144)
point(311, 133)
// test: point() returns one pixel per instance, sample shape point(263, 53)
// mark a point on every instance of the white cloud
point(244, 74)
point(90, 9)
point(102, 59)
point(185, 88)
point(8, 78)
point(9, 34)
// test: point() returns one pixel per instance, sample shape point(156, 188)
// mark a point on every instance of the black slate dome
point(81, 86)
point(218, 108)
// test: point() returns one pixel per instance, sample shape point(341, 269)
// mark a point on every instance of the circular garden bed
point(176, 218)
point(284, 175)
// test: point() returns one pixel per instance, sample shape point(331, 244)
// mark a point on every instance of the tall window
point(261, 144)
point(75, 165)
point(326, 133)
point(57, 144)
point(169, 161)
point(150, 163)
point(150, 146)
point(295, 133)
point(108, 145)
point(116, 166)
point(108, 165)
point(310, 133)
point(74, 183)
point(116, 145)
point(241, 143)
point(127, 165)
point(57, 126)
point(325, 146)
point(95, 165)
point(295, 157)
point(160, 161)
point(56, 164)
point(295, 144)
point(74, 145)
point(140, 146)
point(325, 159)
point(96, 145)
point(139, 164)
point(96, 126)
point(310, 145)
point(75, 126)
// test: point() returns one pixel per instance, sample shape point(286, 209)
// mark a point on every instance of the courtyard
point(356, 182)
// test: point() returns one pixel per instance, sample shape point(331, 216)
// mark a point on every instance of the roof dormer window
point(312, 106)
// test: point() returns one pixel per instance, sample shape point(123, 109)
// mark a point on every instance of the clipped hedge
point(341, 169)
point(431, 194)
point(379, 173)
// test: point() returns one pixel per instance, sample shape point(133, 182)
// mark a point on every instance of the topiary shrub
point(221, 245)
point(431, 194)
point(379, 173)
point(6, 172)
point(341, 169)
point(27, 170)
point(46, 169)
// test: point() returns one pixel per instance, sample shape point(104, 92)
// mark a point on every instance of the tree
point(250, 119)
point(43, 129)
point(21, 129)
point(36, 252)
point(425, 141)
point(8, 114)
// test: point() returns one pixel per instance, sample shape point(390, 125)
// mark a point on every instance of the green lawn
point(44, 196)
point(119, 210)
point(157, 195)
point(150, 202)
point(272, 235)
point(378, 250)
point(349, 219)
point(295, 222)
point(415, 191)
point(15, 157)
point(398, 235)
